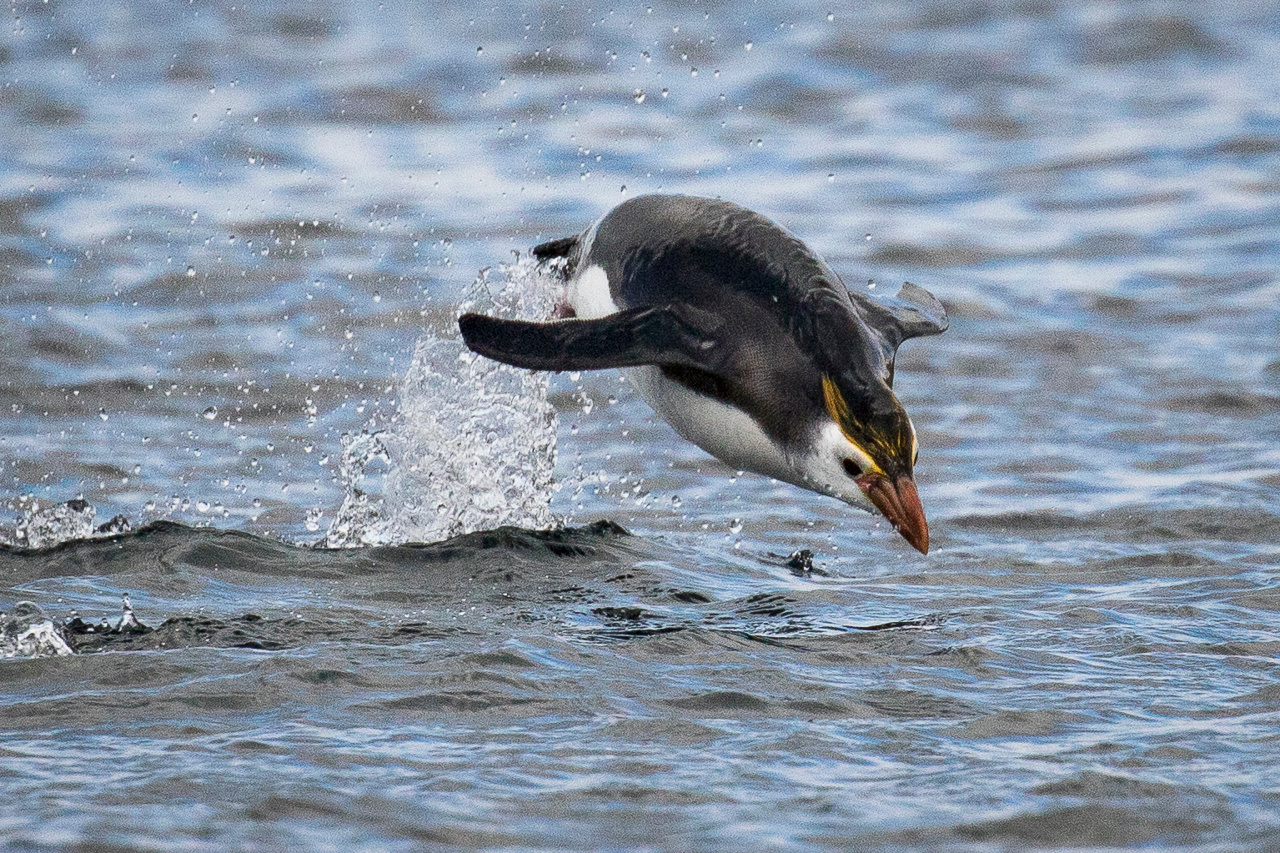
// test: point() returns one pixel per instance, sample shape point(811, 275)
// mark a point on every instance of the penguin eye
point(851, 468)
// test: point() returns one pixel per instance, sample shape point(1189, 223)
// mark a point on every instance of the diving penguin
point(742, 339)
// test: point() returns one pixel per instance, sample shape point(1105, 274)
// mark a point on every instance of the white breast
point(724, 431)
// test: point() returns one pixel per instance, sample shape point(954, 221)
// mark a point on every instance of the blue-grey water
point(224, 227)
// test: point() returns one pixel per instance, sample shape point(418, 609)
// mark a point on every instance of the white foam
point(473, 443)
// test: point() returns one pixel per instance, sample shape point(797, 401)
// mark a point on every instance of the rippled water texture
point(226, 230)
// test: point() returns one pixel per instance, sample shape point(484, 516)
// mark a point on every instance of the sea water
point(233, 242)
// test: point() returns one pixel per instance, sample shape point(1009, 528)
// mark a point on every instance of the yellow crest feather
point(838, 408)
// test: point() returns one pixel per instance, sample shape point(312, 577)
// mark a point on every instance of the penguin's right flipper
point(664, 335)
point(914, 312)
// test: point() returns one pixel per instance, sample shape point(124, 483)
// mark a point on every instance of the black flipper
point(663, 334)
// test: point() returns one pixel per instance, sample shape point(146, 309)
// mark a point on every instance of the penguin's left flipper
point(674, 334)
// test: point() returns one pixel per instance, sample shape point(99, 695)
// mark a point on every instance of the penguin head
point(864, 452)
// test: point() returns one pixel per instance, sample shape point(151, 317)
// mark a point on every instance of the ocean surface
point(283, 569)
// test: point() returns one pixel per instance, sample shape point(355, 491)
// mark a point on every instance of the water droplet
point(638, 97)
point(211, 413)
point(748, 46)
point(195, 117)
point(202, 506)
point(479, 51)
point(735, 526)
point(831, 16)
point(191, 272)
point(102, 413)
point(831, 177)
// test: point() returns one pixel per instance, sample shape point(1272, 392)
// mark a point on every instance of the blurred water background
point(232, 242)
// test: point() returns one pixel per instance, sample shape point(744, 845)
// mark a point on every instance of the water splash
point(28, 633)
point(44, 524)
point(473, 443)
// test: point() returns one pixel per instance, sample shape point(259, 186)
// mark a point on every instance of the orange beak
point(900, 504)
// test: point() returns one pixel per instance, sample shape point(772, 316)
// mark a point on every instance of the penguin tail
point(561, 248)
point(561, 256)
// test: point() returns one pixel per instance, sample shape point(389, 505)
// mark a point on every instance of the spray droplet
point(211, 413)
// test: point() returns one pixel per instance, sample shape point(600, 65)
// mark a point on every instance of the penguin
point(742, 339)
